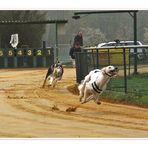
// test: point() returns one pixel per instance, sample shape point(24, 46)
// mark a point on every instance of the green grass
point(138, 84)
point(137, 90)
point(121, 97)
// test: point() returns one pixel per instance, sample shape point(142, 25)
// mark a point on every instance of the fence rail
point(118, 47)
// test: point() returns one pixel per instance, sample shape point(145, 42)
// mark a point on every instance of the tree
point(30, 34)
point(92, 36)
point(124, 32)
point(146, 35)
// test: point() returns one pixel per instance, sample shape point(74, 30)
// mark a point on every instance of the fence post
point(97, 58)
point(5, 62)
point(108, 54)
point(129, 62)
point(56, 42)
point(15, 61)
point(93, 58)
point(125, 75)
point(78, 68)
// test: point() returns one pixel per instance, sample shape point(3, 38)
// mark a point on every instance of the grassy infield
point(137, 91)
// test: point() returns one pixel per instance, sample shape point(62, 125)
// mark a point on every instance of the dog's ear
point(103, 70)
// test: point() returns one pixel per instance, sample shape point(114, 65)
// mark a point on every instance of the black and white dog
point(54, 74)
point(95, 83)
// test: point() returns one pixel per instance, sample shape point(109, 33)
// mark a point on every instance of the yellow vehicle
point(140, 51)
point(109, 56)
point(113, 56)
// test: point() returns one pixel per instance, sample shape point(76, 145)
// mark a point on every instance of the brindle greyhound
point(54, 74)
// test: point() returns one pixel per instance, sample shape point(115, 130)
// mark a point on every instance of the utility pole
point(135, 42)
point(56, 42)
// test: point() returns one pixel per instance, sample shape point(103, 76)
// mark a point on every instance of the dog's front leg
point(54, 82)
point(96, 100)
point(51, 81)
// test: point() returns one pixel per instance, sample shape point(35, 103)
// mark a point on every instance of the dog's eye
point(109, 67)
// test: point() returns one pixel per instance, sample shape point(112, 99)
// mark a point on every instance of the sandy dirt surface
point(27, 110)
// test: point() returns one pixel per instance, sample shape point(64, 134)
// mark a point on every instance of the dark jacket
point(72, 52)
point(78, 39)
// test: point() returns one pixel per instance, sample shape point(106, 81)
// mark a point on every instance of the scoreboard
point(10, 53)
point(26, 57)
point(29, 52)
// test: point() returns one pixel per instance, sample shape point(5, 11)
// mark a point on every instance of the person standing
point(73, 50)
point(78, 39)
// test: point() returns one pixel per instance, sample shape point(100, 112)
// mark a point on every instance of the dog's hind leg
point(81, 87)
point(86, 95)
point(81, 91)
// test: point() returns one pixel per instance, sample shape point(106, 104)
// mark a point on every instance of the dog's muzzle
point(114, 72)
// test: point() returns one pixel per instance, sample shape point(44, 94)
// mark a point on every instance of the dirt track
point(27, 110)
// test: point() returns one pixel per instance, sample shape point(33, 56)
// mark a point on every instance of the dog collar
point(96, 88)
point(107, 74)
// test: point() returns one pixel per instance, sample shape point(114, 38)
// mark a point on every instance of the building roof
point(10, 22)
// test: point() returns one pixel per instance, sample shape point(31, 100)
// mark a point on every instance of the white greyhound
point(95, 83)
